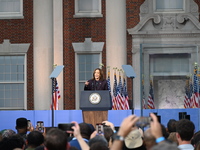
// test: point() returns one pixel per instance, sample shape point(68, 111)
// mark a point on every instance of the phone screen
point(143, 122)
point(99, 128)
point(66, 126)
point(29, 123)
point(40, 125)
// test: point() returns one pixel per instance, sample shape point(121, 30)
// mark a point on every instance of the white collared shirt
point(186, 147)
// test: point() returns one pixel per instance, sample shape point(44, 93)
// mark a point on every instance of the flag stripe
point(150, 102)
point(56, 96)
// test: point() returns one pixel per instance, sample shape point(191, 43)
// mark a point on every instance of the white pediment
point(88, 46)
point(152, 22)
point(7, 47)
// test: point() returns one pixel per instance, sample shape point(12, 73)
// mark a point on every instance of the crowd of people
point(84, 136)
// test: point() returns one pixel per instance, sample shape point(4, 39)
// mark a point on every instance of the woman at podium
point(97, 82)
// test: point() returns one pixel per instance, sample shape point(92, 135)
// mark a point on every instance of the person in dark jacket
point(97, 82)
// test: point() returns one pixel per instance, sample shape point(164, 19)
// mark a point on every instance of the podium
point(95, 106)
point(95, 100)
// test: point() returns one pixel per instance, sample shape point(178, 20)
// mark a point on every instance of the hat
point(8, 133)
point(92, 129)
point(21, 122)
point(134, 139)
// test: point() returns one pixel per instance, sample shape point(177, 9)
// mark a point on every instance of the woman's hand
point(86, 83)
point(156, 129)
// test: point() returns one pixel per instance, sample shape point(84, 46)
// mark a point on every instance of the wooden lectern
point(94, 117)
point(95, 106)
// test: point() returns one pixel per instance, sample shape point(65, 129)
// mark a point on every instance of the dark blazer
point(96, 85)
point(75, 143)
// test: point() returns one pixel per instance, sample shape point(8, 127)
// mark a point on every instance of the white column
point(58, 43)
point(43, 52)
point(115, 34)
point(136, 83)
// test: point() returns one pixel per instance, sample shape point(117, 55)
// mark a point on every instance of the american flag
point(119, 94)
point(143, 96)
point(125, 95)
point(144, 103)
point(56, 96)
point(190, 94)
point(186, 97)
point(114, 101)
point(108, 81)
point(150, 102)
point(195, 95)
point(199, 88)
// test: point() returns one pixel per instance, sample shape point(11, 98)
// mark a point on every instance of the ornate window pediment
point(184, 17)
point(169, 6)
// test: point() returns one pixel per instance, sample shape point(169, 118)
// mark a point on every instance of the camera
point(99, 128)
point(40, 125)
point(66, 126)
point(143, 122)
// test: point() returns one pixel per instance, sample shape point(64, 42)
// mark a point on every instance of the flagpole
point(198, 76)
point(52, 103)
point(132, 97)
point(57, 70)
point(128, 69)
point(53, 98)
point(114, 98)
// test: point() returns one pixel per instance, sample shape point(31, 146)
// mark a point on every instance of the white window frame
point(13, 15)
point(17, 49)
point(169, 10)
point(77, 72)
point(90, 14)
point(160, 73)
point(87, 47)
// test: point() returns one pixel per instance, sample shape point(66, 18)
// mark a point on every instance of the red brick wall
point(76, 30)
point(21, 31)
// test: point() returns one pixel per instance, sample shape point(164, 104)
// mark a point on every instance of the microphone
point(96, 86)
point(92, 85)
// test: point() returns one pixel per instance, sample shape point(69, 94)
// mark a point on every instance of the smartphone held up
point(29, 123)
point(99, 129)
point(66, 126)
point(143, 122)
point(40, 126)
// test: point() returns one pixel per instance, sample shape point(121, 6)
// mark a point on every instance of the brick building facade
point(75, 30)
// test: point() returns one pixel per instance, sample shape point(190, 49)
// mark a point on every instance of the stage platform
point(8, 118)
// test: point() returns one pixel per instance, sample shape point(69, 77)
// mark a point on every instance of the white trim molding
point(6, 48)
point(14, 14)
point(88, 13)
